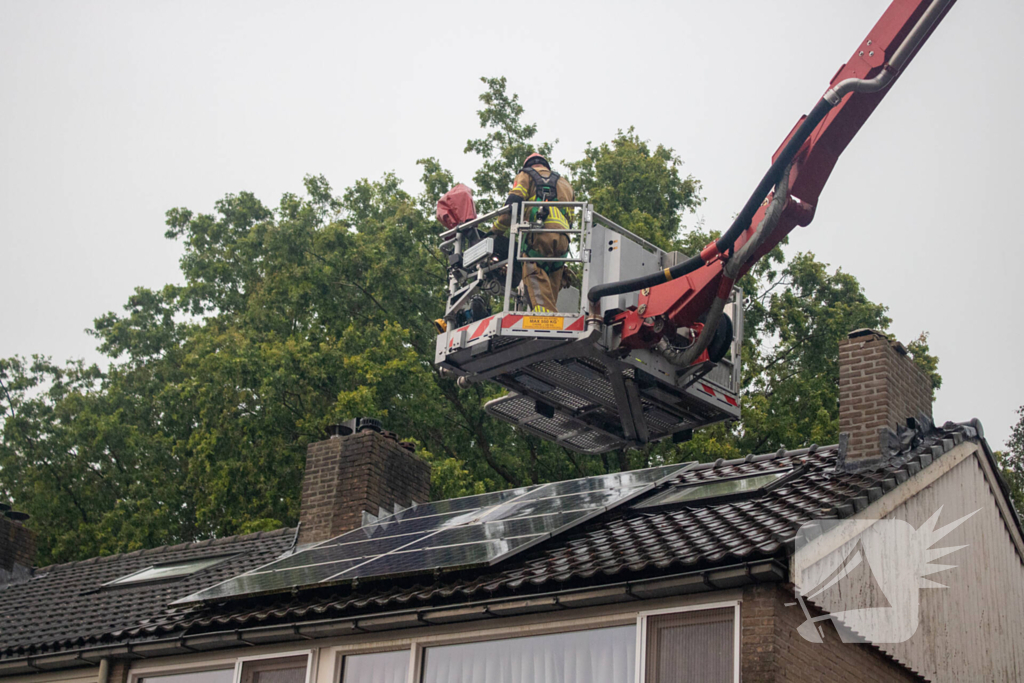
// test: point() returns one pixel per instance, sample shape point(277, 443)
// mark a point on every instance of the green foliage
point(1011, 463)
point(80, 461)
point(505, 145)
point(792, 360)
point(318, 309)
point(928, 363)
point(636, 187)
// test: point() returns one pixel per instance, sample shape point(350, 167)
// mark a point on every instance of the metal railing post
point(510, 262)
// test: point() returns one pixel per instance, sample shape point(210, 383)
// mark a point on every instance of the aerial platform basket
point(569, 379)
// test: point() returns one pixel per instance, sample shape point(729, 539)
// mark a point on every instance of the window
point(172, 570)
point(380, 667)
point(699, 644)
point(275, 670)
point(694, 646)
point(714, 489)
point(596, 656)
point(217, 676)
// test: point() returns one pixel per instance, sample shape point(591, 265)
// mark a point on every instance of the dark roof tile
point(631, 542)
point(66, 605)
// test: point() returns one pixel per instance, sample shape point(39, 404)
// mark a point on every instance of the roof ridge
point(764, 457)
point(223, 540)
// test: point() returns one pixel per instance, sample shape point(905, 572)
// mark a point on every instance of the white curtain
point(380, 667)
point(216, 676)
point(598, 656)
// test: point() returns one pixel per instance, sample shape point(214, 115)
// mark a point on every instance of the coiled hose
point(740, 224)
point(731, 271)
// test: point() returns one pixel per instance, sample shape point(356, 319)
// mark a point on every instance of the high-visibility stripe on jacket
point(523, 186)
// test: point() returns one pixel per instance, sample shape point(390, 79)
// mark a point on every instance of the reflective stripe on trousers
point(542, 287)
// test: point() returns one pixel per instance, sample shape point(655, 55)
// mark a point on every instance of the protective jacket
point(542, 280)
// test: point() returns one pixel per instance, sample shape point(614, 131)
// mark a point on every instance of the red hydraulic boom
point(679, 296)
point(656, 356)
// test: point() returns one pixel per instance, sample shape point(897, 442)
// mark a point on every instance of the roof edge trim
point(716, 578)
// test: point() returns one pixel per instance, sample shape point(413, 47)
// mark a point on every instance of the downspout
point(104, 675)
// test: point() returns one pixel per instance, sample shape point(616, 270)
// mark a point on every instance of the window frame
point(232, 664)
point(218, 664)
point(420, 648)
point(787, 474)
point(641, 634)
point(324, 663)
point(284, 654)
point(339, 665)
point(418, 644)
point(128, 580)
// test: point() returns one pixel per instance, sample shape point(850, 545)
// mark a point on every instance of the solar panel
point(461, 533)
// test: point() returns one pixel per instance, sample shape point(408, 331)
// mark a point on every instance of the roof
point(67, 605)
point(624, 546)
point(628, 543)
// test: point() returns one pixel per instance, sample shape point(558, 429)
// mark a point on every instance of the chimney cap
point(865, 331)
point(17, 516)
point(356, 424)
point(4, 507)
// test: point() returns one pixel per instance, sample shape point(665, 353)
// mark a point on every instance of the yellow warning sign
point(543, 322)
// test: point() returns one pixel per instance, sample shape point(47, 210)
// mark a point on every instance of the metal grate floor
point(586, 416)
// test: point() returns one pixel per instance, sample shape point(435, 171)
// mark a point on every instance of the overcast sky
point(114, 112)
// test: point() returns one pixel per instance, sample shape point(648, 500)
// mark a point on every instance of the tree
point(317, 309)
point(637, 187)
point(922, 357)
point(1011, 462)
point(504, 147)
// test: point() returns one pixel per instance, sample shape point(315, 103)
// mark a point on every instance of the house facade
point(708, 572)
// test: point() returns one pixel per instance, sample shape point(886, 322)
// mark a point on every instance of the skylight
point(714, 489)
point(161, 572)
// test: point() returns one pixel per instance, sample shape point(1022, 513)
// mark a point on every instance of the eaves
point(719, 578)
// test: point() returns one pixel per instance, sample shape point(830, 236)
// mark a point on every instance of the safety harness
point(545, 190)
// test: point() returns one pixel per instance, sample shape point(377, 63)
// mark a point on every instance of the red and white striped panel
point(719, 394)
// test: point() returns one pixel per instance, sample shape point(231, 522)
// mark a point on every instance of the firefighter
point(537, 182)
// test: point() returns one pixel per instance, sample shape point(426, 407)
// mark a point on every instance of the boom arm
point(680, 295)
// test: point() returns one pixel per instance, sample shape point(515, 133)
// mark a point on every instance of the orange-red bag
point(456, 206)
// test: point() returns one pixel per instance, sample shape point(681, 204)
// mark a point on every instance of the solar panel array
point(460, 533)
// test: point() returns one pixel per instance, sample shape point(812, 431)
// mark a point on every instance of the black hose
point(623, 286)
point(731, 272)
point(742, 222)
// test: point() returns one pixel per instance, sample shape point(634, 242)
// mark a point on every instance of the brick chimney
point(361, 468)
point(17, 547)
point(880, 386)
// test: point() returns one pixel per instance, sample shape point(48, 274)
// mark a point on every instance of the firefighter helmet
point(536, 158)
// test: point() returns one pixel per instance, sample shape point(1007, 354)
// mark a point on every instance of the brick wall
point(772, 650)
point(349, 474)
point(119, 669)
point(17, 544)
point(879, 387)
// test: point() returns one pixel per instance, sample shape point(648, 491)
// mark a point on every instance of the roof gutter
point(720, 578)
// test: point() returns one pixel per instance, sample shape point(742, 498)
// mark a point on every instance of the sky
point(114, 112)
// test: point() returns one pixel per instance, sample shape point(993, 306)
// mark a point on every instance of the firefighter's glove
point(518, 201)
point(500, 246)
point(568, 278)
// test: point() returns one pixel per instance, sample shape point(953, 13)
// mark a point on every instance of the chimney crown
point(880, 386)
